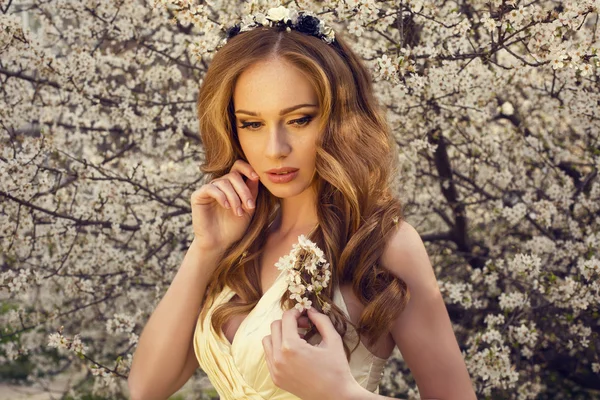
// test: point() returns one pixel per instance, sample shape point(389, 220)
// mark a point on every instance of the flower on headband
point(279, 14)
point(327, 32)
point(305, 256)
point(282, 17)
point(234, 30)
point(308, 24)
point(246, 23)
point(260, 18)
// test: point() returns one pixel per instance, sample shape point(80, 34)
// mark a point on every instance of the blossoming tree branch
point(494, 105)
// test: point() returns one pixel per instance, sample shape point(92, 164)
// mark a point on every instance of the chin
point(290, 189)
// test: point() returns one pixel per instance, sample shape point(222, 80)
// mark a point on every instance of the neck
point(295, 216)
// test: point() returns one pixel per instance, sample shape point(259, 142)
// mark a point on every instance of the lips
point(282, 178)
point(283, 170)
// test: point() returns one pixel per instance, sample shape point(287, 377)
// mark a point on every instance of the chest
point(269, 273)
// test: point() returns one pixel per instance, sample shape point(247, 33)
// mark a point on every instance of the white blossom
point(513, 300)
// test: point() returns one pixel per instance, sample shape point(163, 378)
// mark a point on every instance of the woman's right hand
point(215, 205)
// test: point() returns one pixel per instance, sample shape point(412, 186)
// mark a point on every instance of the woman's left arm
point(422, 332)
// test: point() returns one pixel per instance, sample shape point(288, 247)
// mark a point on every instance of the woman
point(296, 145)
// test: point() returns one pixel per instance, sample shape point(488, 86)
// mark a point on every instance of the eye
point(256, 125)
point(245, 125)
point(305, 120)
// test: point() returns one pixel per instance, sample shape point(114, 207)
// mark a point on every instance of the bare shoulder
point(405, 256)
point(423, 330)
point(402, 241)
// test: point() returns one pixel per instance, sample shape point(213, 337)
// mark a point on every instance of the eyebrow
point(282, 112)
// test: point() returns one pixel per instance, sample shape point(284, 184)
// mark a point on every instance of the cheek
point(249, 148)
point(310, 152)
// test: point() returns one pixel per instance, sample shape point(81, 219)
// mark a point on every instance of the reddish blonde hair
point(355, 163)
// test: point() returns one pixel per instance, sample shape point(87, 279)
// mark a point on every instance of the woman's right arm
point(164, 359)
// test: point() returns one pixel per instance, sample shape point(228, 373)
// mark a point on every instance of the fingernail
point(254, 175)
point(250, 203)
point(240, 212)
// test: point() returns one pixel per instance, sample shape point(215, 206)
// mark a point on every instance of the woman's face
point(277, 119)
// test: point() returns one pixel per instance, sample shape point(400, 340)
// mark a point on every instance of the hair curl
point(355, 163)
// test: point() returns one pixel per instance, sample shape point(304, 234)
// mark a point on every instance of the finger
point(253, 187)
point(276, 337)
point(324, 325)
point(289, 326)
point(268, 347)
point(242, 190)
point(213, 192)
point(225, 186)
point(245, 168)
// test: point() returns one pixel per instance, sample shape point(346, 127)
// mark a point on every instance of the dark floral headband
point(284, 18)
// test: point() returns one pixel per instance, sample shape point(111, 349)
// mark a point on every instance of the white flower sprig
point(306, 255)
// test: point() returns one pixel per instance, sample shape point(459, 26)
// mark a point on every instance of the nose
point(278, 145)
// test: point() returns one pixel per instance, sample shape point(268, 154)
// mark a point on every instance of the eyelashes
point(252, 125)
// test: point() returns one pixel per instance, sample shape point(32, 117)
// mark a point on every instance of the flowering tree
point(495, 108)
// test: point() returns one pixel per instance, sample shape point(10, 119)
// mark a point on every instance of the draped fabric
point(239, 370)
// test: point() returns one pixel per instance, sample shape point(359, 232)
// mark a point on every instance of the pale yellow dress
point(239, 370)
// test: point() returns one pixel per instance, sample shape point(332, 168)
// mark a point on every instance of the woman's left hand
point(307, 371)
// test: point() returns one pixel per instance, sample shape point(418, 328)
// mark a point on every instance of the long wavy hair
point(355, 164)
